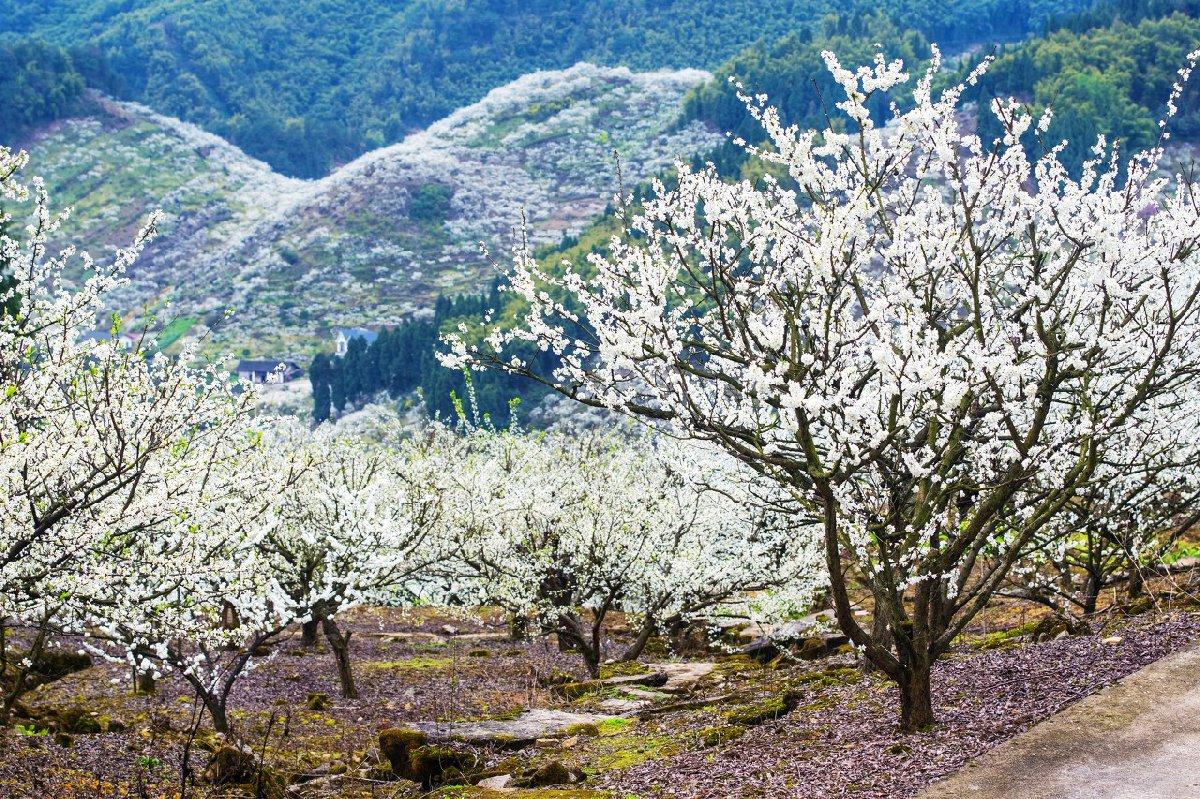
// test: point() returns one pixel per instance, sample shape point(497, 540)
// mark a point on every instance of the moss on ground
point(624, 669)
point(418, 663)
point(621, 746)
point(723, 734)
point(768, 709)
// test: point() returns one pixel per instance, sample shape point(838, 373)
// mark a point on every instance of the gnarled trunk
point(308, 632)
point(339, 643)
point(635, 649)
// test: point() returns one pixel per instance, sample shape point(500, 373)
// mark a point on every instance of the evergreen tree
point(318, 375)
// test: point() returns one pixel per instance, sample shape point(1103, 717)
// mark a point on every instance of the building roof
point(356, 332)
point(265, 365)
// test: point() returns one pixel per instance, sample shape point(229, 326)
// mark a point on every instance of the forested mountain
point(38, 83)
point(307, 84)
point(380, 239)
point(1113, 80)
point(1107, 70)
point(391, 235)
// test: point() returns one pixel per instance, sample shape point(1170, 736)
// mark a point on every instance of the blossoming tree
point(361, 525)
point(105, 451)
point(930, 340)
point(1143, 496)
point(564, 529)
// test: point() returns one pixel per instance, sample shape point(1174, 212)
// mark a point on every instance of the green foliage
point(404, 359)
point(310, 83)
point(430, 202)
point(794, 77)
point(38, 83)
point(791, 72)
point(1113, 80)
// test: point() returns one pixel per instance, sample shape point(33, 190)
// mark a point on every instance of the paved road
point(1136, 739)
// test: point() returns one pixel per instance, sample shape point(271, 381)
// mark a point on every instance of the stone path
point(511, 733)
point(1136, 739)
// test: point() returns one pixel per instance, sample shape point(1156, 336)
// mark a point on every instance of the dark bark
point(308, 632)
point(339, 643)
point(215, 705)
point(881, 631)
point(916, 699)
point(1091, 593)
point(574, 636)
point(518, 627)
point(145, 683)
point(20, 681)
point(635, 649)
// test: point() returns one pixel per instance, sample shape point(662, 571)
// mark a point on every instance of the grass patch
point(175, 330)
point(418, 663)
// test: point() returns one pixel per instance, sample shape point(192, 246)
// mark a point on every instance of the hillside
point(380, 238)
point(308, 84)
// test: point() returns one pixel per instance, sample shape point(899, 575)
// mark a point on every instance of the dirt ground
point(792, 728)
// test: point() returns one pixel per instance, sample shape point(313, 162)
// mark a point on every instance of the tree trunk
point(916, 700)
point(17, 689)
point(340, 645)
point(308, 632)
point(518, 627)
point(145, 683)
point(572, 636)
point(881, 633)
point(591, 659)
point(1091, 594)
point(1137, 581)
point(639, 644)
point(216, 710)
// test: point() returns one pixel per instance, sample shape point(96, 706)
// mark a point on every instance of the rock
point(766, 710)
point(326, 787)
point(483, 637)
point(434, 765)
point(54, 664)
point(512, 733)
point(1048, 629)
point(230, 765)
point(586, 729)
point(623, 705)
point(397, 743)
point(682, 677)
point(406, 789)
point(78, 720)
point(690, 704)
point(574, 690)
point(449, 630)
point(552, 773)
point(497, 783)
point(690, 639)
point(1113, 639)
point(412, 757)
point(545, 743)
point(763, 649)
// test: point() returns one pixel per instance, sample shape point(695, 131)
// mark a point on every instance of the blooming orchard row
point(907, 364)
point(149, 514)
point(953, 352)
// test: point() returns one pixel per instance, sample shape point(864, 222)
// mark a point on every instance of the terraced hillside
point(378, 239)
